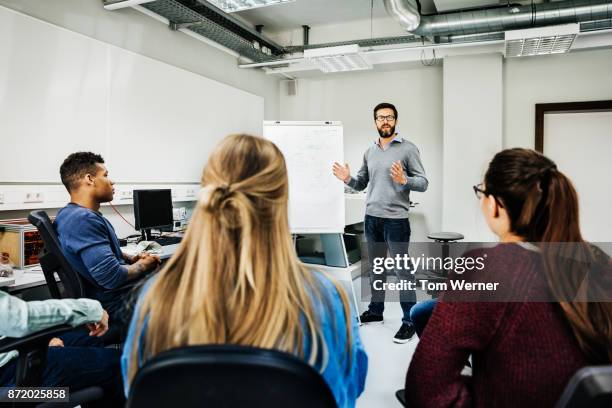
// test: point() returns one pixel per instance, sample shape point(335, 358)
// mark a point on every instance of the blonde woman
point(236, 279)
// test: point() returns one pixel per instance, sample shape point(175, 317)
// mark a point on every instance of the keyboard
point(165, 241)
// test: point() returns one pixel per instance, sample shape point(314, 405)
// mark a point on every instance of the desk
point(25, 279)
point(6, 282)
point(167, 251)
point(30, 278)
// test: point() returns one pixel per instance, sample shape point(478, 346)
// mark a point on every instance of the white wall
point(472, 135)
point(350, 98)
point(573, 77)
point(523, 82)
point(134, 31)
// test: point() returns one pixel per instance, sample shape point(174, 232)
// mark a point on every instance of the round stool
point(445, 238)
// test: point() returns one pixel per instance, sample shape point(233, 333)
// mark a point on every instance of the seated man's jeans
point(392, 235)
point(81, 363)
point(420, 314)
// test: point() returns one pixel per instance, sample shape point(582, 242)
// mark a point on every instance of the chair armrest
point(34, 340)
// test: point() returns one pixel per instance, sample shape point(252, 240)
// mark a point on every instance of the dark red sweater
point(523, 353)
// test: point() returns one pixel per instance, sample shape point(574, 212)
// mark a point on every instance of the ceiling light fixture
point(337, 59)
point(541, 41)
point(232, 6)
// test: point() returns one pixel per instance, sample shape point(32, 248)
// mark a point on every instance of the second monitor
point(152, 209)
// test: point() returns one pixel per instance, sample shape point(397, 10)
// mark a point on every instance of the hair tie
point(211, 197)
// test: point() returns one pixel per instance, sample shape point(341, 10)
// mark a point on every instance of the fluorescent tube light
point(231, 6)
point(541, 41)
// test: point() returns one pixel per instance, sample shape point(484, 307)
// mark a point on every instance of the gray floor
point(388, 361)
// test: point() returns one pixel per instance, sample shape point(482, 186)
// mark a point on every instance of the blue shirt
point(345, 383)
point(92, 248)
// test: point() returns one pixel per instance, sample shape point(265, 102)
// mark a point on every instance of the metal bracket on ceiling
point(177, 26)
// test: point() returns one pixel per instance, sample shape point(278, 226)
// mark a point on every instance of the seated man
point(73, 367)
point(89, 240)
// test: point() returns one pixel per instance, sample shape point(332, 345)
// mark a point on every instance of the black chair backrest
point(52, 260)
point(228, 376)
point(590, 387)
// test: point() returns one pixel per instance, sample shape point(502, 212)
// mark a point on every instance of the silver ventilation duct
point(503, 18)
point(406, 13)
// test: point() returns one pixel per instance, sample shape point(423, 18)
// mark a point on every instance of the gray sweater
point(386, 198)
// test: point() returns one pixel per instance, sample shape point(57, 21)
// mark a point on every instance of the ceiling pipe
point(503, 18)
point(405, 12)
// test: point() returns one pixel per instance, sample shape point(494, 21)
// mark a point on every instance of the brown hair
point(542, 205)
point(385, 105)
point(235, 278)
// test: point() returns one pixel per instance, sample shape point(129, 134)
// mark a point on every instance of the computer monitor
point(152, 209)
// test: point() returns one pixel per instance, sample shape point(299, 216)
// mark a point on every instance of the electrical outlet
point(125, 195)
point(34, 197)
point(179, 214)
point(190, 193)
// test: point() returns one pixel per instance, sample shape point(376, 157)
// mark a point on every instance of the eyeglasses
point(479, 191)
point(389, 118)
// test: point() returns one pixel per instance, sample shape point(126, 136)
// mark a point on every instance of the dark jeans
point(420, 314)
point(392, 235)
point(77, 365)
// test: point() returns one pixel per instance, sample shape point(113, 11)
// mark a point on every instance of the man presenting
point(392, 168)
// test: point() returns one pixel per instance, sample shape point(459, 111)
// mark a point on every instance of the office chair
point(53, 261)
point(590, 387)
point(71, 285)
point(30, 364)
point(228, 376)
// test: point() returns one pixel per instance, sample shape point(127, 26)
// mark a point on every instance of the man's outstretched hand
point(343, 173)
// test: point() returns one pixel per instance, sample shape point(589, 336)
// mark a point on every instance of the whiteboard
point(316, 196)
point(580, 143)
point(62, 92)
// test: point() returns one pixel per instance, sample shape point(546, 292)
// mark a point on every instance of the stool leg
point(445, 254)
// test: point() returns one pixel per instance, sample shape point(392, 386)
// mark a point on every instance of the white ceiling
point(322, 12)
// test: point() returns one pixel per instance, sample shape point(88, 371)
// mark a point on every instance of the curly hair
point(76, 166)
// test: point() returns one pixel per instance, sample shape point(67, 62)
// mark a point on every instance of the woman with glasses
point(528, 344)
point(236, 279)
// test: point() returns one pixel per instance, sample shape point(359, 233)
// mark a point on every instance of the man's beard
point(386, 133)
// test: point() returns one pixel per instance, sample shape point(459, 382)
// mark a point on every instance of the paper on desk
point(34, 269)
